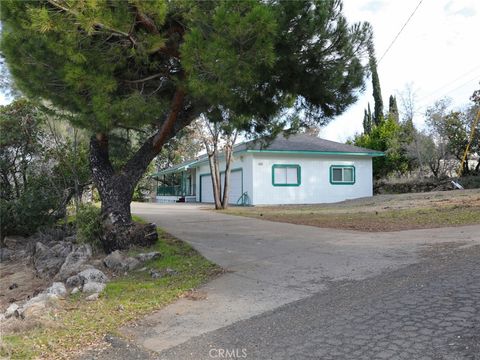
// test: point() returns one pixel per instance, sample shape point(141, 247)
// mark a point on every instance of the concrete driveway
point(271, 264)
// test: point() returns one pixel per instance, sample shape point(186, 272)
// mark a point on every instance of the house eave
point(197, 163)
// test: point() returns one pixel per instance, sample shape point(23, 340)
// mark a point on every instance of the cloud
point(463, 8)
point(373, 6)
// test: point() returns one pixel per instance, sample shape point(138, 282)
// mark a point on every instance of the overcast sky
point(438, 53)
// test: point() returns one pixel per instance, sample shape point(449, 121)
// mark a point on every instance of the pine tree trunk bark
point(116, 191)
point(116, 187)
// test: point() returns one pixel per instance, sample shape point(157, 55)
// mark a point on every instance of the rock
point(34, 310)
point(117, 262)
point(52, 234)
point(36, 306)
point(13, 286)
point(14, 242)
point(92, 297)
point(93, 287)
point(11, 311)
point(155, 274)
point(171, 272)
point(148, 256)
point(94, 275)
point(5, 254)
point(96, 263)
point(74, 262)
point(73, 281)
point(48, 260)
point(57, 289)
point(74, 290)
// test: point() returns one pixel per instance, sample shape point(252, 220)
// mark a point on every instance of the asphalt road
point(300, 292)
point(427, 310)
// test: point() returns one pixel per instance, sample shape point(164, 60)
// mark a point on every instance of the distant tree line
point(437, 150)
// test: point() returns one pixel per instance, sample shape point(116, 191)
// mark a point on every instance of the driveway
point(269, 265)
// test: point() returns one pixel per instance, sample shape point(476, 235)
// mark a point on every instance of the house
point(299, 169)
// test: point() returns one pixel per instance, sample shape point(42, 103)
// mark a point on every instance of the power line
point(449, 83)
point(403, 27)
point(451, 91)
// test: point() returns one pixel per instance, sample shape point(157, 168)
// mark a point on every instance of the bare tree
point(217, 135)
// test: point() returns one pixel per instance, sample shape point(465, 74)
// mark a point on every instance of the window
point(342, 174)
point(286, 175)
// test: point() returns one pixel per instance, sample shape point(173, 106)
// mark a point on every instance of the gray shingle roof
point(303, 142)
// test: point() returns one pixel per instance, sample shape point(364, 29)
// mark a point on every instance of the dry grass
point(379, 213)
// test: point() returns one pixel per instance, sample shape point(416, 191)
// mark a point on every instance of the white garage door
point(206, 191)
point(236, 187)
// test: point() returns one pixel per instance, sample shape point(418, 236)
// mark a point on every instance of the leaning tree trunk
point(116, 187)
point(116, 191)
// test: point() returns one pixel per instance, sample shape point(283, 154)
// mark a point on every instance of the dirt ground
point(380, 212)
point(18, 281)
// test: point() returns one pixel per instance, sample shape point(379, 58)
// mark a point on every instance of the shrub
point(89, 225)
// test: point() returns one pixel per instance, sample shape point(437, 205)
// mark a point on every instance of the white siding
point(315, 186)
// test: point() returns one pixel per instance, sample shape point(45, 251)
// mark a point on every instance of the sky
point(437, 54)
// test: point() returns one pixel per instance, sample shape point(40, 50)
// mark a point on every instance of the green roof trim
point(313, 152)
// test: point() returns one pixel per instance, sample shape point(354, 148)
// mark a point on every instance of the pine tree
point(160, 64)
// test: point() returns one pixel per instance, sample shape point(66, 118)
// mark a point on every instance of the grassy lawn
point(380, 213)
point(78, 324)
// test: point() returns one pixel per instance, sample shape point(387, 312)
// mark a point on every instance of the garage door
point(236, 187)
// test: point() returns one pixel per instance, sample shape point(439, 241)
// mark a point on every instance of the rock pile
point(71, 266)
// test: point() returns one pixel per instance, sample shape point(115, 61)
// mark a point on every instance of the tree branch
point(97, 24)
point(151, 77)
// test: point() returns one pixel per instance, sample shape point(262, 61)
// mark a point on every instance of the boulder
point(5, 254)
point(74, 262)
point(36, 306)
point(117, 262)
point(93, 287)
point(94, 275)
point(74, 290)
point(14, 241)
point(92, 297)
point(148, 256)
point(57, 289)
point(73, 281)
point(48, 260)
point(11, 311)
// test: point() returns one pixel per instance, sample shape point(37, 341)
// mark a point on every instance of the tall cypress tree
point(393, 109)
point(367, 120)
point(377, 92)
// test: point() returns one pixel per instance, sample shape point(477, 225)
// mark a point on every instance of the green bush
point(89, 225)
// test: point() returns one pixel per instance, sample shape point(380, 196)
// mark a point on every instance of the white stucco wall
point(315, 184)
